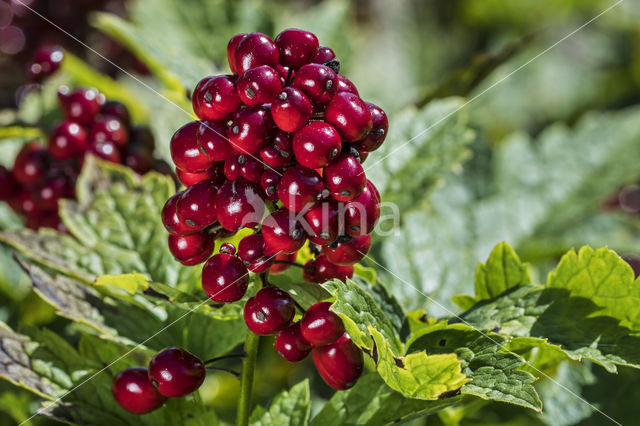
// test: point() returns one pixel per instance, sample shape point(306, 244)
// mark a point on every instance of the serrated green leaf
point(289, 408)
point(503, 271)
point(303, 292)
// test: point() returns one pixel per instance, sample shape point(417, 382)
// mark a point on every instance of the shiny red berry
point(106, 150)
point(31, 163)
point(191, 249)
point(212, 139)
point(132, 389)
point(185, 152)
point(362, 213)
point(81, 105)
point(269, 181)
point(278, 268)
point(344, 178)
point(238, 205)
point(196, 206)
point(270, 311)
point(322, 223)
point(291, 110)
point(324, 270)
point(109, 129)
point(251, 248)
point(170, 218)
point(8, 185)
point(320, 326)
point(348, 253)
point(251, 168)
point(175, 372)
point(215, 173)
point(345, 85)
point(27, 203)
point(116, 110)
point(249, 130)
point(231, 50)
point(325, 54)
point(299, 188)
point(340, 363)
point(378, 132)
point(279, 152)
point(45, 62)
point(297, 47)
point(228, 248)
point(291, 345)
point(282, 232)
point(138, 158)
point(349, 115)
point(232, 167)
point(318, 82)
point(67, 140)
point(224, 278)
point(254, 50)
point(215, 98)
point(316, 145)
point(259, 85)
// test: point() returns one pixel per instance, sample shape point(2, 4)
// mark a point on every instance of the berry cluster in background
point(43, 174)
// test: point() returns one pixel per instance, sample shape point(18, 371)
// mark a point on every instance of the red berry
point(215, 98)
point(8, 185)
point(192, 249)
point(81, 105)
point(269, 182)
point(340, 364)
point(238, 205)
point(259, 85)
point(316, 145)
point(139, 158)
point(325, 54)
point(378, 132)
point(344, 178)
point(286, 74)
point(116, 110)
point(54, 187)
point(282, 233)
point(224, 278)
point(323, 223)
point(318, 82)
point(254, 50)
point(67, 140)
point(185, 152)
point(176, 372)
point(251, 248)
point(26, 204)
point(362, 213)
point(278, 268)
point(46, 62)
point(212, 139)
point(134, 392)
point(109, 129)
point(280, 152)
point(349, 115)
point(297, 47)
point(106, 150)
point(196, 206)
point(300, 188)
point(215, 174)
point(324, 270)
point(270, 311)
point(291, 345)
point(291, 110)
point(319, 326)
point(250, 168)
point(249, 130)
point(348, 253)
point(231, 50)
point(228, 248)
point(170, 218)
point(345, 85)
point(309, 271)
point(232, 168)
point(30, 163)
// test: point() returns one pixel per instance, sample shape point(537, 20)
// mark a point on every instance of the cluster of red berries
point(172, 373)
point(42, 175)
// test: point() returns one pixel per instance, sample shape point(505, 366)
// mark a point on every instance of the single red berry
point(212, 139)
point(170, 218)
point(228, 248)
point(185, 152)
point(291, 345)
point(324, 55)
point(249, 130)
point(31, 163)
point(67, 140)
point(378, 132)
point(345, 85)
point(259, 85)
point(349, 115)
point(282, 232)
point(231, 50)
point(132, 389)
point(348, 253)
point(192, 249)
point(340, 363)
point(309, 271)
point(269, 181)
point(270, 311)
point(362, 213)
point(138, 158)
point(278, 268)
point(215, 98)
point(344, 178)
point(116, 110)
point(215, 173)
point(291, 110)
point(324, 270)
point(109, 129)
point(238, 204)
point(250, 168)
point(81, 105)
point(232, 167)
point(297, 47)
point(26, 203)
point(300, 188)
point(320, 326)
point(280, 152)
point(196, 206)
point(318, 82)
point(45, 62)
point(316, 145)
point(254, 50)
point(224, 278)
point(54, 187)
point(251, 251)
point(176, 372)
point(323, 223)
point(106, 150)
point(8, 185)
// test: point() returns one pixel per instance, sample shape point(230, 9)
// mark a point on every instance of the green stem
point(251, 346)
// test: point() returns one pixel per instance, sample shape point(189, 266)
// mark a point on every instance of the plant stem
point(251, 346)
point(220, 358)
point(286, 262)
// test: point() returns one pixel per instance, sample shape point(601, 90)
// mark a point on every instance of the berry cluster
point(172, 373)
point(42, 175)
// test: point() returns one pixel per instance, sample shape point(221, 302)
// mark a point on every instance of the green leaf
point(18, 132)
point(503, 271)
point(289, 408)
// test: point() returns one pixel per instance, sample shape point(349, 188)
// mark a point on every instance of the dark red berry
point(249, 130)
point(362, 213)
point(170, 218)
point(299, 188)
point(232, 167)
point(323, 223)
point(185, 152)
point(224, 278)
point(324, 270)
point(280, 152)
point(27, 204)
point(239, 205)
point(139, 158)
point(45, 62)
point(344, 178)
point(30, 163)
point(278, 268)
point(259, 85)
point(250, 168)
point(269, 182)
point(286, 74)
point(318, 82)
point(228, 248)
point(192, 249)
point(325, 54)
point(345, 85)
point(270, 311)
point(67, 140)
point(175, 372)
point(215, 98)
point(291, 345)
point(254, 50)
point(231, 50)
point(196, 206)
point(348, 253)
point(212, 139)
point(319, 326)
point(8, 185)
point(54, 187)
point(251, 248)
point(291, 110)
point(215, 174)
point(340, 364)
point(81, 105)
point(141, 136)
point(109, 129)
point(316, 145)
point(349, 115)
point(106, 150)
point(116, 110)
point(282, 232)
point(132, 389)
point(378, 132)
point(297, 47)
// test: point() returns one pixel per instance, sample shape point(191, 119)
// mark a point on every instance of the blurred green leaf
point(18, 132)
point(289, 408)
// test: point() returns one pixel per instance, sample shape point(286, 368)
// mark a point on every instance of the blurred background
point(544, 155)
